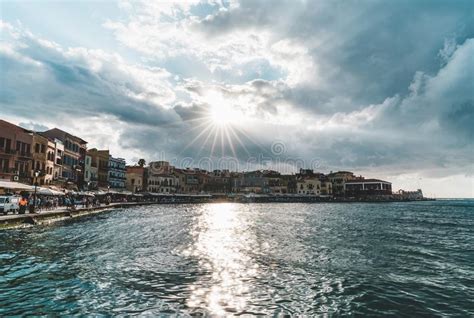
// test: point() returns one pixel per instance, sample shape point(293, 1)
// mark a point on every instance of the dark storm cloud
point(366, 50)
point(460, 118)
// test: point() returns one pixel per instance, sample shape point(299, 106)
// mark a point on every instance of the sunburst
point(220, 125)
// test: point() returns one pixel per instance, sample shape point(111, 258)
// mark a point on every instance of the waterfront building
point(58, 178)
point(49, 168)
point(275, 183)
point(100, 159)
point(15, 152)
point(203, 179)
point(367, 187)
point(189, 180)
point(40, 155)
point(220, 181)
point(290, 181)
point(90, 173)
point(116, 171)
point(234, 177)
point(313, 183)
point(108, 171)
point(251, 182)
point(162, 183)
point(73, 156)
point(134, 179)
point(338, 179)
point(326, 186)
point(309, 186)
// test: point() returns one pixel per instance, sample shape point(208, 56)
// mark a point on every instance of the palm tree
point(141, 162)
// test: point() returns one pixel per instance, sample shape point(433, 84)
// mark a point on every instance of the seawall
point(47, 217)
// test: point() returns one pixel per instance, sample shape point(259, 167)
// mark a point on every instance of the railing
point(118, 178)
point(9, 151)
point(23, 154)
point(14, 171)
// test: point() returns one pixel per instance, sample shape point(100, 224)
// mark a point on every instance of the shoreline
point(14, 221)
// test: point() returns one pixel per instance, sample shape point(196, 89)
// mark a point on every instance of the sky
point(381, 88)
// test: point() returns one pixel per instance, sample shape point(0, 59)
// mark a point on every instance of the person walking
point(23, 204)
point(31, 205)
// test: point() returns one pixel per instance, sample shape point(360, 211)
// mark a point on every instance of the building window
point(4, 165)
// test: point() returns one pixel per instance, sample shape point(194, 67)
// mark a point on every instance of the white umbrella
point(15, 185)
point(86, 194)
point(48, 191)
point(44, 191)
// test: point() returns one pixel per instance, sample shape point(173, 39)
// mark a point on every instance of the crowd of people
point(48, 203)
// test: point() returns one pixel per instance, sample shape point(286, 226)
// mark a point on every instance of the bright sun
point(222, 124)
point(222, 112)
point(223, 115)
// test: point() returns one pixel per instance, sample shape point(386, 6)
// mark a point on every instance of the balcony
point(13, 171)
point(117, 178)
point(23, 154)
point(7, 151)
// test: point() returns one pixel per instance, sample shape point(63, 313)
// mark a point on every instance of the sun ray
point(239, 140)
point(204, 122)
point(222, 141)
point(207, 139)
point(229, 139)
point(252, 140)
point(222, 122)
point(214, 142)
point(196, 138)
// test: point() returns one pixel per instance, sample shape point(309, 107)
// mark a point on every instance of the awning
point(15, 185)
point(48, 191)
point(86, 194)
point(123, 192)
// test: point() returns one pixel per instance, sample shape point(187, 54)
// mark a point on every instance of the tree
point(141, 162)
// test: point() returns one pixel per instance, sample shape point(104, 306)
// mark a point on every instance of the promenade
point(59, 214)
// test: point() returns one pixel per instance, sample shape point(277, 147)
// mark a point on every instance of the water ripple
point(400, 259)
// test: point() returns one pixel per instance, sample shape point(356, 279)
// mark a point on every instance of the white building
point(58, 160)
point(90, 173)
point(162, 183)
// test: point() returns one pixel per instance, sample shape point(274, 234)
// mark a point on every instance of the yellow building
point(100, 159)
point(308, 186)
point(43, 150)
point(338, 180)
point(134, 179)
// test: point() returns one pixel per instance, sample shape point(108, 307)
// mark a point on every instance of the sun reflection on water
point(221, 245)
